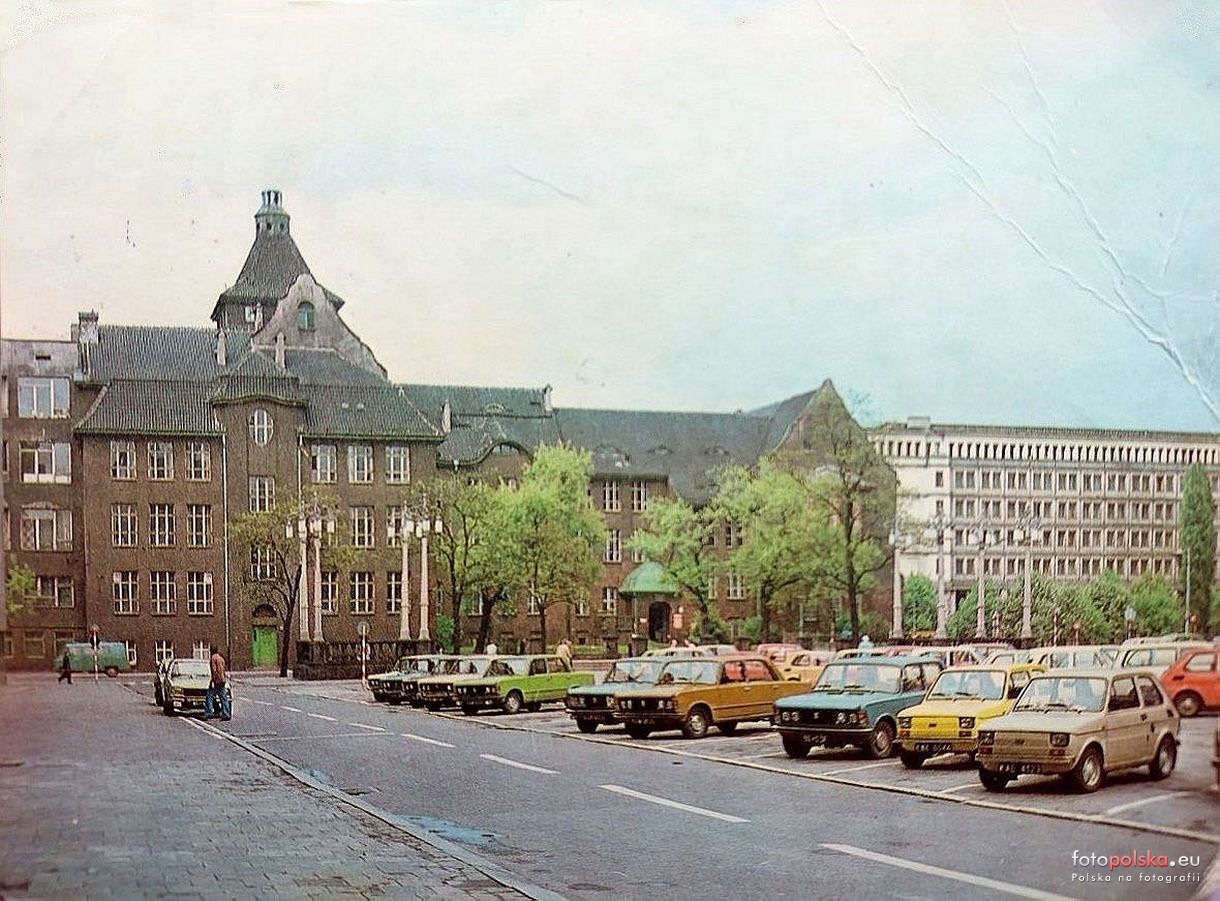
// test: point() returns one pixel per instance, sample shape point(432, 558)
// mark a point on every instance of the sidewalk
point(101, 796)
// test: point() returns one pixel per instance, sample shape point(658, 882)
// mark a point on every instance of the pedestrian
point(866, 643)
point(491, 650)
point(564, 651)
point(218, 691)
point(65, 669)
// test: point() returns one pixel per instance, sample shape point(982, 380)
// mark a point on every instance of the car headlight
point(986, 737)
point(965, 722)
point(862, 716)
point(1060, 739)
point(668, 704)
point(576, 701)
point(904, 722)
point(841, 717)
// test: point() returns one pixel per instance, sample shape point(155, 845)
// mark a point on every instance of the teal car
point(854, 702)
point(396, 685)
point(511, 683)
point(593, 705)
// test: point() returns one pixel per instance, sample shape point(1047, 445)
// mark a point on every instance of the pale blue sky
point(979, 212)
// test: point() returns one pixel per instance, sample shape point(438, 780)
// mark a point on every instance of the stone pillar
point(404, 618)
point(424, 634)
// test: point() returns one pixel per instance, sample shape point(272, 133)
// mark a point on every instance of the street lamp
point(940, 525)
point(422, 528)
point(978, 536)
point(311, 524)
point(895, 543)
point(1026, 527)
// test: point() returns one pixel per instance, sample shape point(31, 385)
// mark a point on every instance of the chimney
point(279, 350)
point(446, 418)
point(86, 334)
point(222, 348)
point(546, 400)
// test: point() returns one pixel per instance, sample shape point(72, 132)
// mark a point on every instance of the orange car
point(1193, 681)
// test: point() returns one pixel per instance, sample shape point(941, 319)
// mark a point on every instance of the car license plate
point(936, 747)
point(1020, 768)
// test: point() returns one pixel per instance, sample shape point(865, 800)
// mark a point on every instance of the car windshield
point(414, 665)
point(1063, 693)
point(852, 674)
point(703, 672)
point(464, 666)
point(982, 684)
point(509, 666)
point(635, 671)
point(191, 668)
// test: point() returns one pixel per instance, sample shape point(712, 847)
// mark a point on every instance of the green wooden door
point(266, 646)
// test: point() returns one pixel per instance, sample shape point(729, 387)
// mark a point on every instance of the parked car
point(390, 686)
point(853, 653)
point(1082, 725)
point(678, 651)
point(803, 666)
point(593, 705)
point(1193, 682)
point(854, 702)
point(693, 695)
point(775, 651)
point(1156, 656)
point(439, 690)
point(962, 699)
point(185, 685)
point(719, 650)
point(513, 683)
point(111, 657)
point(1078, 656)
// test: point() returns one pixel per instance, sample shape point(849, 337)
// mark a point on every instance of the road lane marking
point(322, 716)
point(320, 737)
point(256, 701)
point(521, 766)
point(1141, 802)
point(866, 766)
point(959, 788)
point(676, 805)
point(293, 709)
point(427, 741)
point(370, 728)
point(996, 885)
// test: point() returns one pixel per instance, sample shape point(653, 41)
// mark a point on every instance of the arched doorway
point(265, 641)
point(658, 621)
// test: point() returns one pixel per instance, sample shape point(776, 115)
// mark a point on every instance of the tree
point(679, 537)
point(1197, 538)
point(19, 587)
point(1158, 608)
point(267, 534)
point(918, 604)
point(554, 536)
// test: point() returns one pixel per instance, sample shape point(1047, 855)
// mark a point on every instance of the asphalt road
point(600, 816)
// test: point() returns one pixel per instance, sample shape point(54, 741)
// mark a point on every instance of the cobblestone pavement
point(102, 797)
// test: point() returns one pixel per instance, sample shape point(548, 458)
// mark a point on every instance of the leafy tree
point(678, 536)
point(446, 626)
point(19, 587)
point(554, 536)
point(281, 590)
point(1076, 605)
point(1158, 608)
point(1197, 537)
point(918, 604)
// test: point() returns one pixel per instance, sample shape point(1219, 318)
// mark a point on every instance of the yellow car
point(946, 721)
point(802, 666)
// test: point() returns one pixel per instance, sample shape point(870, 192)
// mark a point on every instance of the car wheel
point(1188, 703)
point(1090, 772)
point(912, 760)
point(432, 708)
point(796, 746)
point(395, 701)
point(513, 703)
point(111, 671)
point(587, 726)
point(726, 728)
point(638, 730)
point(994, 782)
point(881, 742)
point(379, 697)
point(469, 709)
point(1164, 760)
point(697, 722)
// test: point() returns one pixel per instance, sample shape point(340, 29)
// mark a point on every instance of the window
point(262, 563)
point(393, 526)
point(46, 529)
point(737, 588)
point(123, 531)
point(163, 650)
point(1122, 694)
point(198, 525)
point(1150, 693)
point(614, 547)
point(940, 478)
point(199, 593)
point(305, 316)
point(262, 493)
point(397, 464)
point(733, 536)
point(125, 593)
point(163, 592)
point(42, 398)
point(362, 593)
point(393, 592)
point(360, 464)
point(610, 498)
point(45, 461)
point(323, 462)
point(122, 460)
point(639, 497)
point(261, 427)
point(198, 462)
point(161, 525)
point(54, 591)
point(609, 600)
point(33, 645)
point(582, 606)
point(330, 592)
point(535, 605)
point(1201, 663)
point(131, 652)
point(199, 651)
point(362, 526)
point(637, 556)
point(160, 461)
point(710, 588)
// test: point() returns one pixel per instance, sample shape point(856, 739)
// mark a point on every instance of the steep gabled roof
point(160, 352)
point(364, 411)
point(272, 265)
point(152, 407)
point(324, 366)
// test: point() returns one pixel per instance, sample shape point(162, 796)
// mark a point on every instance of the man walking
point(218, 691)
point(65, 669)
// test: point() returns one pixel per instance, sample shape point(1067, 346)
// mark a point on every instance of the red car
point(1193, 682)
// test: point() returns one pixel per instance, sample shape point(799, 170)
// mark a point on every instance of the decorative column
point(980, 619)
point(1027, 599)
point(404, 619)
point(942, 600)
point(424, 634)
point(897, 632)
point(303, 578)
point(316, 534)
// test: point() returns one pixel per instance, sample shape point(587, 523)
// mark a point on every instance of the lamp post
point(979, 534)
point(299, 529)
point(423, 528)
point(404, 607)
point(895, 543)
point(941, 526)
point(320, 523)
point(1026, 526)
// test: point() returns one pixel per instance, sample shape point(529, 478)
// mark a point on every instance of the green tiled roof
point(649, 578)
point(326, 367)
point(148, 407)
point(363, 411)
point(271, 266)
point(472, 401)
point(160, 352)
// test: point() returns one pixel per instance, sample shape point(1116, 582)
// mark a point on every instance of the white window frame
point(611, 502)
point(123, 460)
point(198, 462)
point(262, 563)
point(613, 552)
point(161, 525)
point(363, 520)
point(534, 605)
point(200, 650)
point(393, 591)
point(639, 496)
point(124, 525)
point(45, 462)
point(46, 529)
point(360, 464)
point(736, 587)
point(125, 592)
point(330, 592)
point(198, 525)
point(262, 493)
point(394, 519)
point(163, 650)
point(323, 463)
point(50, 591)
point(43, 397)
point(262, 426)
point(160, 461)
point(363, 600)
point(609, 600)
point(162, 592)
point(397, 464)
point(200, 600)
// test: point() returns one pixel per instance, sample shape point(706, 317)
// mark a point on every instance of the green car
point(854, 702)
point(593, 705)
point(511, 683)
point(395, 686)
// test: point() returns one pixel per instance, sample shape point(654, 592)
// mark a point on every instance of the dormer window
point(305, 316)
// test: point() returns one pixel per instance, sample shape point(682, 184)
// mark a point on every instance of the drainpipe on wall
point(224, 487)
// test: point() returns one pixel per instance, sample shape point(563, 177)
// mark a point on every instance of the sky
point(988, 212)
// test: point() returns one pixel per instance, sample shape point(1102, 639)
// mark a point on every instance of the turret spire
point(271, 218)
